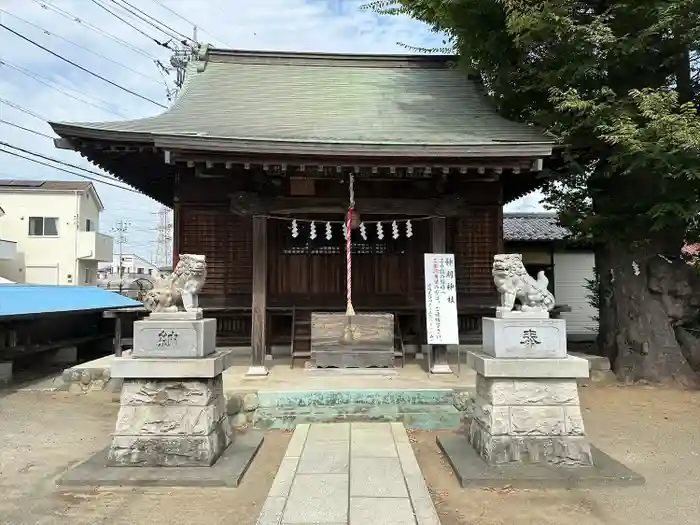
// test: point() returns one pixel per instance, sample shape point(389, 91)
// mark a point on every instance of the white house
point(131, 264)
point(55, 227)
point(544, 247)
point(8, 249)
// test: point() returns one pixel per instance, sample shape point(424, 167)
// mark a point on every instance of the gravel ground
point(42, 432)
point(654, 431)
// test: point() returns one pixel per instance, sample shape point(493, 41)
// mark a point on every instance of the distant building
point(545, 247)
point(54, 229)
point(131, 264)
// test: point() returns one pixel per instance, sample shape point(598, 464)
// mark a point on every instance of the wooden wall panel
point(476, 239)
point(397, 276)
point(226, 240)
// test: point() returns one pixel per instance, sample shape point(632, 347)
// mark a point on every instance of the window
point(88, 225)
point(88, 276)
point(43, 226)
point(139, 271)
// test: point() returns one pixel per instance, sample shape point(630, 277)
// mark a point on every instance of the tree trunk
point(646, 298)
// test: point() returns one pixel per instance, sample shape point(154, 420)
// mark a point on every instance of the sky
point(85, 33)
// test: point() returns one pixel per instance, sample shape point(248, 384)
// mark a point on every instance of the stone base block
point(168, 420)
point(170, 423)
point(5, 372)
point(170, 450)
point(176, 338)
point(472, 471)
point(128, 367)
point(489, 366)
point(175, 392)
point(228, 471)
point(175, 316)
point(527, 392)
point(526, 421)
point(524, 337)
point(507, 313)
point(257, 371)
point(529, 449)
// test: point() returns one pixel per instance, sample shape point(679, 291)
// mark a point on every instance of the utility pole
point(184, 52)
point(164, 244)
point(119, 230)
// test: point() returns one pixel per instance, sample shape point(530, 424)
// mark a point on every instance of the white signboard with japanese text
point(441, 299)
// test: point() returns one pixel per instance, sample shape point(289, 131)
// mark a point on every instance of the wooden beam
point(243, 203)
point(439, 235)
point(258, 343)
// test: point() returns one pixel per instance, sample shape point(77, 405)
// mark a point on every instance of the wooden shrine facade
point(250, 171)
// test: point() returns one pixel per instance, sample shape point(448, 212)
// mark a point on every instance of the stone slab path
point(349, 473)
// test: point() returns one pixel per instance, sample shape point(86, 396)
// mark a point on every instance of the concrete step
point(371, 397)
point(412, 416)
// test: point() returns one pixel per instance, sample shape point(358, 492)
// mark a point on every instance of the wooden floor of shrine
point(413, 375)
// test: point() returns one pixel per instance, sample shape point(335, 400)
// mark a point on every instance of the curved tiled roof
point(532, 227)
point(410, 103)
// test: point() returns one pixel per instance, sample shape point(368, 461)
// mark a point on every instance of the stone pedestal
point(524, 336)
point(173, 411)
point(180, 334)
point(527, 411)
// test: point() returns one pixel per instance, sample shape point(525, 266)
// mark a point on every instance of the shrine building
point(262, 153)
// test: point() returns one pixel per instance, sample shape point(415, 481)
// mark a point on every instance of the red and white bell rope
point(348, 247)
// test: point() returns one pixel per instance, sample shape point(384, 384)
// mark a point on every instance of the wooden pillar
point(439, 363)
point(177, 217)
point(117, 335)
point(258, 332)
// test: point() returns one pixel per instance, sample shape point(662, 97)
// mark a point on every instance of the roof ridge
point(210, 51)
point(530, 215)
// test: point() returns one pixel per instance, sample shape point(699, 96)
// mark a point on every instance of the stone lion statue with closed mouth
point(179, 291)
point(513, 282)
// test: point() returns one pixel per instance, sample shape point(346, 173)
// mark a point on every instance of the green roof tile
point(358, 100)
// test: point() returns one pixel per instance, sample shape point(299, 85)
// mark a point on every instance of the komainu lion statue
point(179, 291)
point(513, 282)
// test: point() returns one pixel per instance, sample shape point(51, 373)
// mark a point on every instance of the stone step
point(330, 398)
point(412, 416)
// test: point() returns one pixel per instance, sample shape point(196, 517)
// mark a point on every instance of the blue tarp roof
point(30, 299)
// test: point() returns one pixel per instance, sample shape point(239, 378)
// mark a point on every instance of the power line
point(188, 21)
point(173, 32)
point(23, 110)
point(132, 26)
point(45, 81)
point(46, 5)
point(68, 171)
point(127, 90)
point(52, 159)
point(84, 48)
point(26, 129)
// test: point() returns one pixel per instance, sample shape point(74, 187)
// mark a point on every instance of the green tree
point(616, 82)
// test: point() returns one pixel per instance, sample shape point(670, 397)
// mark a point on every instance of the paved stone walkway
point(356, 473)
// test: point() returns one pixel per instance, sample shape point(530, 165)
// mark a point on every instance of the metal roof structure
point(30, 299)
point(532, 227)
point(270, 102)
